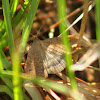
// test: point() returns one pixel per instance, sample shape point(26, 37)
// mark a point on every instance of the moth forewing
point(34, 63)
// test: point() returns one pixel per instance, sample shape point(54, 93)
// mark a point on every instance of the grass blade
point(65, 40)
point(7, 19)
point(21, 12)
point(14, 7)
point(28, 24)
point(5, 89)
point(15, 62)
point(6, 64)
point(98, 22)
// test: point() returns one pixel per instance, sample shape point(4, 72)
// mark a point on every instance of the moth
point(47, 56)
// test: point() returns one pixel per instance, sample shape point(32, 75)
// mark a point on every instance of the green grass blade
point(60, 88)
point(17, 89)
point(14, 7)
point(7, 81)
point(28, 24)
point(62, 14)
point(9, 84)
point(6, 64)
point(15, 60)
point(1, 66)
point(7, 19)
point(5, 89)
point(3, 41)
point(20, 13)
point(32, 91)
point(98, 19)
point(2, 28)
point(40, 81)
point(98, 22)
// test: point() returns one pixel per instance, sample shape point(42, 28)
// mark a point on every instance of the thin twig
point(83, 24)
point(70, 15)
point(84, 20)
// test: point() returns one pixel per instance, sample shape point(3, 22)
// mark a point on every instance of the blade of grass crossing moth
point(41, 82)
point(62, 14)
point(58, 87)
